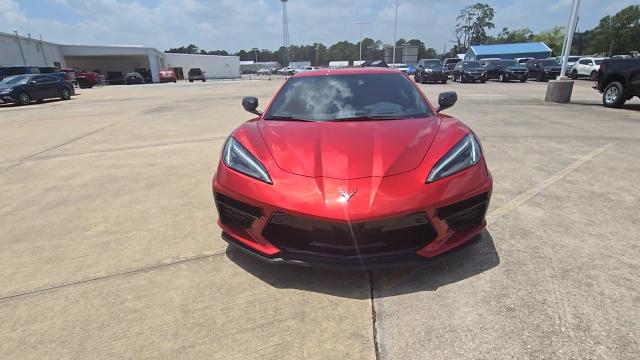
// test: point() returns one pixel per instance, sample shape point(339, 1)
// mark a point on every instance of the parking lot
point(110, 247)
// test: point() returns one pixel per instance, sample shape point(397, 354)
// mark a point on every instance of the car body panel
point(382, 164)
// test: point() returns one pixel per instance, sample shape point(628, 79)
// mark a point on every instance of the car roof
point(348, 71)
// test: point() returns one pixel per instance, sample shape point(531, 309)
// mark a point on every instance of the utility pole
point(395, 33)
point(24, 61)
point(568, 39)
point(44, 56)
point(361, 23)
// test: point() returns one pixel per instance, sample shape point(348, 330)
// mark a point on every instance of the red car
point(85, 79)
point(167, 75)
point(351, 167)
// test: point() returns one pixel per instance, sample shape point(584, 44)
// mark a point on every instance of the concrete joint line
point(129, 272)
point(527, 195)
point(71, 140)
point(374, 318)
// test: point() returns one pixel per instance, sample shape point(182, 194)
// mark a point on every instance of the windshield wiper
point(285, 117)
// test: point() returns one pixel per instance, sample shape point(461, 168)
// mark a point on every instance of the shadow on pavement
point(477, 256)
point(626, 106)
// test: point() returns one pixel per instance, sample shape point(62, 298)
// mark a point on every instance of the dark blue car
point(23, 89)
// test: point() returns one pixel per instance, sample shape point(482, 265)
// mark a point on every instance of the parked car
point(305, 68)
point(430, 70)
point(167, 75)
point(385, 127)
point(469, 71)
point(402, 67)
point(622, 57)
point(85, 79)
point(523, 60)
point(23, 89)
point(587, 66)
point(449, 63)
point(543, 70)
point(286, 70)
point(618, 81)
point(264, 71)
point(17, 70)
point(196, 74)
point(571, 61)
point(134, 78)
point(115, 78)
point(505, 70)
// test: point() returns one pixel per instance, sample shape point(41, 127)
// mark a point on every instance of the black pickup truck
point(618, 81)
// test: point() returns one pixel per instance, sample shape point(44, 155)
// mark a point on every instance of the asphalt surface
point(109, 247)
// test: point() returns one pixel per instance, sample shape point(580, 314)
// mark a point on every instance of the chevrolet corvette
point(351, 168)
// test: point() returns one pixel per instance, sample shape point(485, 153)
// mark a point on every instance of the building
point(251, 66)
point(404, 54)
point(338, 64)
point(112, 61)
point(536, 50)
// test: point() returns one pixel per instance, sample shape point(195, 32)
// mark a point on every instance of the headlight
point(240, 159)
point(464, 154)
point(428, 70)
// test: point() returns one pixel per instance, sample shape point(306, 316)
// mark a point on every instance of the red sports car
point(351, 167)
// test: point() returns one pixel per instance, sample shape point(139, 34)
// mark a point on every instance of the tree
point(507, 36)
point(473, 23)
point(554, 38)
point(189, 49)
point(617, 34)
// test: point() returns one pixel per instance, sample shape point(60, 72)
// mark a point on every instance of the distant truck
point(85, 79)
point(618, 80)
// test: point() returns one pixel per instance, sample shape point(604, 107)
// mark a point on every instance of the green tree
point(189, 49)
point(507, 36)
point(473, 23)
point(617, 34)
point(554, 38)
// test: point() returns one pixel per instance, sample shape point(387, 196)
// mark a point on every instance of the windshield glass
point(598, 62)
point(15, 80)
point(509, 63)
point(431, 63)
point(549, 63)
point(471, 64)
point(573, 58)
point(342, 97)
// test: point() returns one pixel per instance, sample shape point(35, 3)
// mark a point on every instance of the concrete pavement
point(110, 249)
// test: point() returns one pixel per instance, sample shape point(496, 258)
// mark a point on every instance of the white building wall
point(214, 66)
point(35, 52)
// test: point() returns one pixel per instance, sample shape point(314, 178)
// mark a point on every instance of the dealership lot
point(110, 248)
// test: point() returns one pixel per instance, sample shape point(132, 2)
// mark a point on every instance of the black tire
point(65, 94)
point(416, 78)
point(540, 77)
point(574, 74)
point(190, 80)
point(24, 98)
point(593, 76)
point(444, 81)
point(614, 95)
point(523, 79)
point(204, 80)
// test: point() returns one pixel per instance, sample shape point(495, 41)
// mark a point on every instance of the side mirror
point(446, 100)
point(250, 104)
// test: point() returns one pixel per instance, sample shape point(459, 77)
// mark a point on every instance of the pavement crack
point(373, 317)
point(71, 140)
point(125, 148)
point(129, 272)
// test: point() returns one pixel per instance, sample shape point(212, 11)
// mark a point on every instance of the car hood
point(5, 87)
point(516, 68)
point(349, 150)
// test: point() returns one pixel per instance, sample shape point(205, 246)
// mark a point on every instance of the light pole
point(255, 63)
point(395, 33)
point(361, 23)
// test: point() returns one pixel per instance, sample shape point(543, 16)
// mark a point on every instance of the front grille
point(236, 213)
point(465, 214)
point(297, 234)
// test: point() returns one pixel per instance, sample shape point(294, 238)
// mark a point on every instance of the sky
point(243, 24)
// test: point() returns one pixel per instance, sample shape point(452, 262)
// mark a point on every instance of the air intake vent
point(465, 214)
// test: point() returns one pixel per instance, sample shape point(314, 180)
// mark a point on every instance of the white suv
point(587, 66)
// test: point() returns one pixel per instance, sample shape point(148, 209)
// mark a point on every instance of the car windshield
point(549, 62)
point(348, 97)
point(431, 63)
point(471, 64)
point(15, 80)
point(598, 62)
point(573, 58)
point(509, 63)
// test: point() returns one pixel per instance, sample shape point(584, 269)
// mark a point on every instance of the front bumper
point(296, 224)
point(6, 99)
point(434, 76)
point(515, 76)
